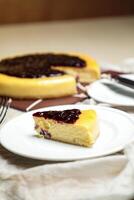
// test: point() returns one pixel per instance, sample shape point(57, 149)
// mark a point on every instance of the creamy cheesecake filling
point(39, 65)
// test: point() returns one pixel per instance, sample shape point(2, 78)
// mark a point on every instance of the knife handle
point(125, 81)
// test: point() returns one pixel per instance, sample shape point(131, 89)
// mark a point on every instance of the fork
point(4, 105)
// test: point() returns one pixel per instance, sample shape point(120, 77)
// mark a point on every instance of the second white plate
point(116, 131)
point(107, 91)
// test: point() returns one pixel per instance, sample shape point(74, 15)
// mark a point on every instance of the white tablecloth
point(107, 178)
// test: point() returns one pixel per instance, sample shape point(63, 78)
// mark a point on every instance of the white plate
point(110, 92)
point(116, 131)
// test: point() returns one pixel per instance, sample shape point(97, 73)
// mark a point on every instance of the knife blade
point(121, 78)
point(125, 81)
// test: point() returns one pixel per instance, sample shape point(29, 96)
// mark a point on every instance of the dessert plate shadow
point(116, 131)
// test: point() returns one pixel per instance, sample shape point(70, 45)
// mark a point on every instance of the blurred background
point(103, 29)
point(18, 11)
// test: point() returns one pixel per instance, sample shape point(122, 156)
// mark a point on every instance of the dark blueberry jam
point(45, 133)
point(38, 65)
point(66, 116)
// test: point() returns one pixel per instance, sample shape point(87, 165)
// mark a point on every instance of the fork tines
point(4, 105)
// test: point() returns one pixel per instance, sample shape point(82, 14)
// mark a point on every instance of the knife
point(125, 81)
point(121, 78)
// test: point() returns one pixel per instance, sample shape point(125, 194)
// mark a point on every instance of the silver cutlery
point(119, 78)
point(4, 105)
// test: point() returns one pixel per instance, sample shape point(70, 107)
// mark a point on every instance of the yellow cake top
point(85, 116)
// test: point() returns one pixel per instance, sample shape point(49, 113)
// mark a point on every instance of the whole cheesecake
point(73, 126)
point(47, 75)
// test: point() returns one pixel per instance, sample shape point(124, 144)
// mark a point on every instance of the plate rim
point(116, 149)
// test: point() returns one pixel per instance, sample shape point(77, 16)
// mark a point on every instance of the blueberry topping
point(39, 65)
point(66, 116)
point(45, 133)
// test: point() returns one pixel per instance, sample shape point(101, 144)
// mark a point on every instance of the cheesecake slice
point(73, 126)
